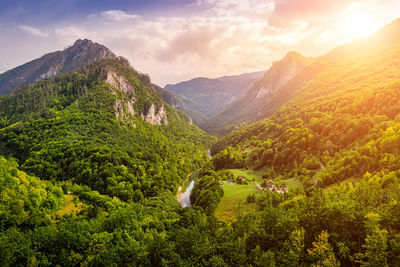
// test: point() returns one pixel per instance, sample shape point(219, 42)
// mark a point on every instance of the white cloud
point(33, 31)
point(119, 15)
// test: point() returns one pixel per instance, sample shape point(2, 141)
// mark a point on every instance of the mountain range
point(207, 96)
point(249, 107)
point(213, 104)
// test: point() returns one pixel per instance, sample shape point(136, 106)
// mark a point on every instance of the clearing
point(235, 195)
point(70, 206)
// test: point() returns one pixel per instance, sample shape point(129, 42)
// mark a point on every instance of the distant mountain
point(177, 103)
point(249, 106)
point(208, 96)
point(81, 54)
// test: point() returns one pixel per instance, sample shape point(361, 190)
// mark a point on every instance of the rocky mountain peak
point(84, 47)
point(280, 72)
point(79, 55)
point(83, 42)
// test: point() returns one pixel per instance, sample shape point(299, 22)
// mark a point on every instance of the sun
point(357, 25)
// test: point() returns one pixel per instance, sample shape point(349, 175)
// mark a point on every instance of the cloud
point(33, 31)
point(195, 40)
point(119, 15)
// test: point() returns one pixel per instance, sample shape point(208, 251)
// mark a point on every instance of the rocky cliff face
point(125, 105)
point(156, 117)
point(81, 54)
point(279, 73)
point(118, 82)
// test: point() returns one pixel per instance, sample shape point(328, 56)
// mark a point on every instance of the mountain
point(207, 96)
point(81, 54)
point(341, 63)
point(106, 112)
point(248, 107)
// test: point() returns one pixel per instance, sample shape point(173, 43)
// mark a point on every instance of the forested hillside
point(103, 128)
point(345, 111)
point(95, 127)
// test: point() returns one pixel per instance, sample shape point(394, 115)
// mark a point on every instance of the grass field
point(235, 195)
point(234, 201)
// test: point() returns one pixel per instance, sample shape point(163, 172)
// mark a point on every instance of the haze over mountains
point(208, 96)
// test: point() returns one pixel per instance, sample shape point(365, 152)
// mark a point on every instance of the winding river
point(184, 197)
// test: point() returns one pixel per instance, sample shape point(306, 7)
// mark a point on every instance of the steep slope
point(208, 96)
point(342, 123)
point(103, 126)
point(249, 107)
point(81, 54)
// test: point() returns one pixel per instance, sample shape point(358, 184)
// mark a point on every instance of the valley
point(204, 97)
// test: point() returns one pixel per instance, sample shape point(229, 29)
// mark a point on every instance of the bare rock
point(118, 82)
point(159, 118)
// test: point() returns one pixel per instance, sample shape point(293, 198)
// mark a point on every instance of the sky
point(176, 40)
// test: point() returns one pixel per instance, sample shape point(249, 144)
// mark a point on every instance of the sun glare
point(357, 25)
